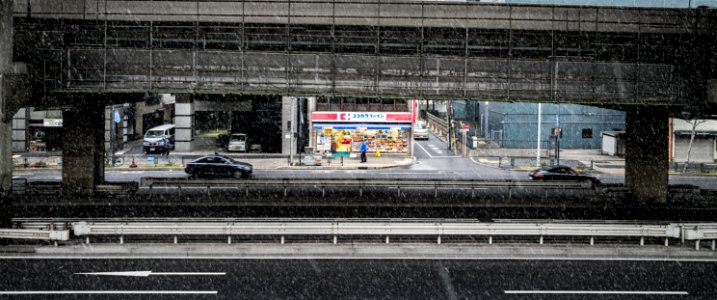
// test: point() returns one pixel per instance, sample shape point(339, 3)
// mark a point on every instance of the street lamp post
point(486, 132)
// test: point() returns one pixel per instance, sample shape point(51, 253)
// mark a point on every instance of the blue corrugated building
point(514, 125)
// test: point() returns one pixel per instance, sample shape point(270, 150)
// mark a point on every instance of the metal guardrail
point(699, 232)
point(437, 124)
point(23, 186)
point(363, 183)
point(35, 234)
point(384, 229)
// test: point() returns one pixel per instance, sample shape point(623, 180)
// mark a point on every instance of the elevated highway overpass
point(437, 50)
point(87, 54)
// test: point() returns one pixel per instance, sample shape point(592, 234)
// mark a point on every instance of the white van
point(159, 139)
point(237, 142)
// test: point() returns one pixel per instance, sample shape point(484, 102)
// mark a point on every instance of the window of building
point(587, 133)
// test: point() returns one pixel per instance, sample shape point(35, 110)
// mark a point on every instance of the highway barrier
point(699, 232)
point(35, 234)
point(387, 229)
point(361, 184)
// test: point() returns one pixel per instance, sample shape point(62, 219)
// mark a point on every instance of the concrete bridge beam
point(83, 148)
point(646, 154)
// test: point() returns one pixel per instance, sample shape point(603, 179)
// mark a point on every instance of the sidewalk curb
point(490, 165)
point(352, 167)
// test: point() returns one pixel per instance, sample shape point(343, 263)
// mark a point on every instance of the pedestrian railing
point(385, 229)
point(438, 125)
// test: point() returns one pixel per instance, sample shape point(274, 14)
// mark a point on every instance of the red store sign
point(359, 117)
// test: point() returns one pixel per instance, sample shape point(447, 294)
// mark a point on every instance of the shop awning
point(406, 126)
point(698, 133)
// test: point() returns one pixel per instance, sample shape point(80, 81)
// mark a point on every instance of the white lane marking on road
point(108, 292)
point(186, 256)
point(150, 273)
point(424, 150)
point(597, 292)
point(435, 148)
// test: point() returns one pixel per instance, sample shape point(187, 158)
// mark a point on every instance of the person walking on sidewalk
point(363, 151)
point(168, 147)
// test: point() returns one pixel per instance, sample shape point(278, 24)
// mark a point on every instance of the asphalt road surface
point(355, 279)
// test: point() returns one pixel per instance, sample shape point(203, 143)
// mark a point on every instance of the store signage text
point(358, 117)
point(52, 122)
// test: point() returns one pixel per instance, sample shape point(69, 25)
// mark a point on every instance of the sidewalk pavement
point(585, 158)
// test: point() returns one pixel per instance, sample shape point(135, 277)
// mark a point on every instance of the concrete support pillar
point(6, 48)
point(646, 154)
point(19, 130)
point(83, 148)
point(184, 123)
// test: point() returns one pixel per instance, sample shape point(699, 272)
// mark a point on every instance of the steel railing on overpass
point(362, 184)
point(385, 228)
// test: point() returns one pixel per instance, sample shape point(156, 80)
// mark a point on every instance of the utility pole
point(449, 115)
point(292, 121)
point(537, 152)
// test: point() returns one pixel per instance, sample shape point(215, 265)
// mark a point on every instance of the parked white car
point(420, 131)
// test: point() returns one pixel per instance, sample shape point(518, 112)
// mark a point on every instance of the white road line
point(424, 150)
point(150, 273)
point(528, 292)
point(185, 256)
point(108, 292)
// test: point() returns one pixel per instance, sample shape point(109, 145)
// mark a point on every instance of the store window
point(344, 140)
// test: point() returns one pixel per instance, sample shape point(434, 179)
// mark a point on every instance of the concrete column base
point(19, 130)
point(184, 123)
point(646, 154)
point(83, 149)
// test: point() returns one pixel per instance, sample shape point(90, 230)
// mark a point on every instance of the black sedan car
point(558, 173)
point(218, 166)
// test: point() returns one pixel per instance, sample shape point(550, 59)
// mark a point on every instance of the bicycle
point(115, 161)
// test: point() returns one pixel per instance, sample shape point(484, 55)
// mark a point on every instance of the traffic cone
point(134, 164)
point(378, 153)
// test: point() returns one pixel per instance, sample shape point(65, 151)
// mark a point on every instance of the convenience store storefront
point(341, 133)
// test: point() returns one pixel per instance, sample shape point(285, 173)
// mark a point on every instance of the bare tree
point(694, 124)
